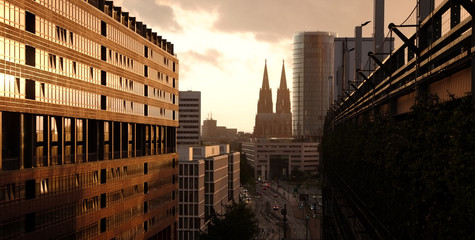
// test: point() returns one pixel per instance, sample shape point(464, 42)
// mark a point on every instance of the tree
point(238, 223)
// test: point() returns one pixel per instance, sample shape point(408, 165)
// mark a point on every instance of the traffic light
point(300, 205)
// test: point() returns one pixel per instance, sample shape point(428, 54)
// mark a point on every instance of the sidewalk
point(313, 223)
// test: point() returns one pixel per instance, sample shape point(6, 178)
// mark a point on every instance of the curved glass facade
point(313, 57)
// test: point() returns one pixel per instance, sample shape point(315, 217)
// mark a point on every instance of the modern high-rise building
point(268, 123)
point(188, 133)
point(313, 57)
point(88, 123)
point(208, 180)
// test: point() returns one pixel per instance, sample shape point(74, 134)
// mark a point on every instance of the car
point(276, 207)
point(275, 195)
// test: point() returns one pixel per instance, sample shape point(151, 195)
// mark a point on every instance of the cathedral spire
point(265, 79)
point(283, 95)
point(264, 105)
point(283, 80)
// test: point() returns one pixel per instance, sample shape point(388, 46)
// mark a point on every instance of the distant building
point(268, 123)
point(208, 180)
point(275, 158)
point(345, 67)
point(212, 131)
point(346, 63)
point(188, 132)
point(312, 80)
point(87, 123)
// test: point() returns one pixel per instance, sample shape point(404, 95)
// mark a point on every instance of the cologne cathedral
point(270, 124)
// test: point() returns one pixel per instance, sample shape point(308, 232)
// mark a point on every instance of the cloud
point(211, 57)
point(151, 12)
point(274, 20)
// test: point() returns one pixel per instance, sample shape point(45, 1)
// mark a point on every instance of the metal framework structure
point(436, 54)
point(424, 58)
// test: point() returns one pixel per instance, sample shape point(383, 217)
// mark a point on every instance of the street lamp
point(358, 47)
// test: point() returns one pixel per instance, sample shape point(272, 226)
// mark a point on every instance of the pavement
point(313, 223)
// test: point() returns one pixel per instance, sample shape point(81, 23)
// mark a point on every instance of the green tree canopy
point(238, 223)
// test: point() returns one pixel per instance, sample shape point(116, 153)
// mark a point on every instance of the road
point(271, 221)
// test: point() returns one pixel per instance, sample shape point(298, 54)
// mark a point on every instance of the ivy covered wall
point(416, 172)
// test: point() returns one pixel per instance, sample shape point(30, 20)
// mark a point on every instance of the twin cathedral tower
point(270, 124)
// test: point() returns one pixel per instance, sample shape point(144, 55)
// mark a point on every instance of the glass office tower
point(313, 56)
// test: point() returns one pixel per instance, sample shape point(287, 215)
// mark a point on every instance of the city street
point(268, 205)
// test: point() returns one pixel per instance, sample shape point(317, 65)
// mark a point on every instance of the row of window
point(13, 87)
point(192, 127)
point(189, 222)
point(65, 213)
point(50, 93)
point(190, 99)
point(40, 220)
point(61, 140)
point(45, 187)
point(12, 51)
point(189, 105)
point(122, 39)
point(186, 196)
point(89, 21)
point(66, 183)
point(74, 13)
point(190, 116)
point(15, 52)
point(188, 183)
point(62, 36)
point(124, 106)
point(189, 110)
point(188, 169)
point(188, 234)
point(119, 60)
point(188, 209)
point(12, 15)
point(66, 67)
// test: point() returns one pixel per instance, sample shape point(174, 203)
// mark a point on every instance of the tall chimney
point(378, 23)
point(358, 48)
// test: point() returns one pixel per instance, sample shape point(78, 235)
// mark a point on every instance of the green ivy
point(416, 172)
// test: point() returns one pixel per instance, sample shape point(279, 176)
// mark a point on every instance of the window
point(52, 61)
point(44, 186)
point(61, 64)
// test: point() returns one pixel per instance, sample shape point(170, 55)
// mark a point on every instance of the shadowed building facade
point(268, 123)
point(87, 123)
point(209, 178)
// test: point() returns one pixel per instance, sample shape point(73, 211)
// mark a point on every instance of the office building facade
point(274, 159)
point(313, 59)
point(208, 180)
point(188, 133)
point(88, 123)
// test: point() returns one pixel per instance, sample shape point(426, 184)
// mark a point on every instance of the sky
point(222, 45)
